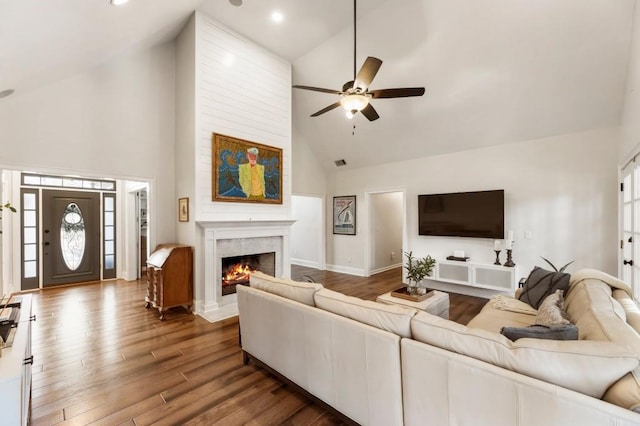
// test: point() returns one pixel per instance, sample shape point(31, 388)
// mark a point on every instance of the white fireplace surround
point(237, 238)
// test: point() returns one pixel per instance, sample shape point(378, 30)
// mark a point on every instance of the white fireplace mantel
point(267, 235)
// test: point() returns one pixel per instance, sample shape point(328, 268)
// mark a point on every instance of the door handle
point(46, 243)
point(628, 262)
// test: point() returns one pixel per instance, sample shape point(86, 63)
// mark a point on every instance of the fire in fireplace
point(236, 270)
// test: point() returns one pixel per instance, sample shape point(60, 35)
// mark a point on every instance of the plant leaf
point(552, 265)
point(565, 266)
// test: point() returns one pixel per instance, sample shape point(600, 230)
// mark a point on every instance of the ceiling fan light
point(354, 102)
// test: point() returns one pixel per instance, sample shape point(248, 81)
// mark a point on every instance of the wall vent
point(340, 163)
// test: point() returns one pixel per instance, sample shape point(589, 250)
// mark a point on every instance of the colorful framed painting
point(183, 209)
point(344, 215)
point(245, 171)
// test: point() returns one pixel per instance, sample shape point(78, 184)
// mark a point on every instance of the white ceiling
point(496, 71)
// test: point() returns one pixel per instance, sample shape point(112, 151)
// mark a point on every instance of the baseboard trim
point(386, 268)
point(307, 263)
point(346, 270)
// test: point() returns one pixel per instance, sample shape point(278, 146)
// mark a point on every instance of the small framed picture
point(344, 215)
point(183, 209)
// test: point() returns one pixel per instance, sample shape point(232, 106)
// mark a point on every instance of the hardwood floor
point(100, 357)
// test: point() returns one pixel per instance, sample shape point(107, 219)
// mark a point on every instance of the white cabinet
point(15, 371)
point(482, 275)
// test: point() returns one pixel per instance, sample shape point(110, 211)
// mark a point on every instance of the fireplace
point(236, 270)
point(238, 239)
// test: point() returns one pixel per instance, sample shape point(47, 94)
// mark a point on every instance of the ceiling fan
point(355, 95)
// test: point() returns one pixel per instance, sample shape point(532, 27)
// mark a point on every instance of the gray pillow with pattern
point(542, 283)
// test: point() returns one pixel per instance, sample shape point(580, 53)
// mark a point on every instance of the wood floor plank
point(102, 358)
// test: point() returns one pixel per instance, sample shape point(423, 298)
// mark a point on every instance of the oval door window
point(72, 236)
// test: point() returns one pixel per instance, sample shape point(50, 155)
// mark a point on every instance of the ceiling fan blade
point(397, 93)
point(318, 89)
point(370, 112)
point(326, 109)
point(367, 72)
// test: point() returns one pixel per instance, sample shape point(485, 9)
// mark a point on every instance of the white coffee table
point(436, 304)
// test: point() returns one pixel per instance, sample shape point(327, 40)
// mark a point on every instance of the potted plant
point(417, 270)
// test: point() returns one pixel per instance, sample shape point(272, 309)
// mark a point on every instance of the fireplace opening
point(236, 270)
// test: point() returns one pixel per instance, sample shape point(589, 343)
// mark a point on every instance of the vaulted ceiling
point(495, 71)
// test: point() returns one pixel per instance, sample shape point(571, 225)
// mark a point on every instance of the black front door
point(71, 237)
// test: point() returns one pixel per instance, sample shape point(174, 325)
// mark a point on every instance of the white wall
point(307, 233)
point(562, 189)
point(386, 212)
point(114, 120)
point(185, 138)
point(242, 91)
point(630, 126)
point(308, 176)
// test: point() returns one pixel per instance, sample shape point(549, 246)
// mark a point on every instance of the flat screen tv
point(478, 214)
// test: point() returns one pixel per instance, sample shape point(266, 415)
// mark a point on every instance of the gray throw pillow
point(558, 332)
point(541, 283)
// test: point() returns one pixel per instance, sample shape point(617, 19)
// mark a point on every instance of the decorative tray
point(402, 294)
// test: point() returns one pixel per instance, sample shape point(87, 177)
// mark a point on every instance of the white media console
point(481, 275)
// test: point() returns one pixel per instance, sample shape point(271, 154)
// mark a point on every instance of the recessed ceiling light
point(118, 2)
point(6, 93)
point(236, 2)
point(277, 17)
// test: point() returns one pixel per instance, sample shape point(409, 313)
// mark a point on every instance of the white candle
point(497, 245)
point(509, 244)
point(510, 236)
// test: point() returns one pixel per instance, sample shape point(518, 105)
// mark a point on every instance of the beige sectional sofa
point(391, 365)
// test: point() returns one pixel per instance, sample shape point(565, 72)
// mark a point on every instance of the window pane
point(627, 188)
point(72, 183)
point(109, 185)
point(29, 218)
point(108, 233)
point(29, 235)
point(30, 269)
point(108, 219)
point(108, 204)
point(51, 181)
point(32, 180)
point(29, 201)
point(109, 261)
point(72, 236)
point(626, 217)
point(108, 247)
point(30, 252)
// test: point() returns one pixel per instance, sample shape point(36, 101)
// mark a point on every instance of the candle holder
point(509, 263)
point(497, 262)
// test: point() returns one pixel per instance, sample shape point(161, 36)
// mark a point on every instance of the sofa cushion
point(551, 312)
point(563, 363)
point(558, 332)
point(540, 284)
point(393, 318)
point(299, 291)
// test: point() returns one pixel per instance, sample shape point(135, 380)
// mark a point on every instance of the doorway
point(386, 231)
point(71, 237)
